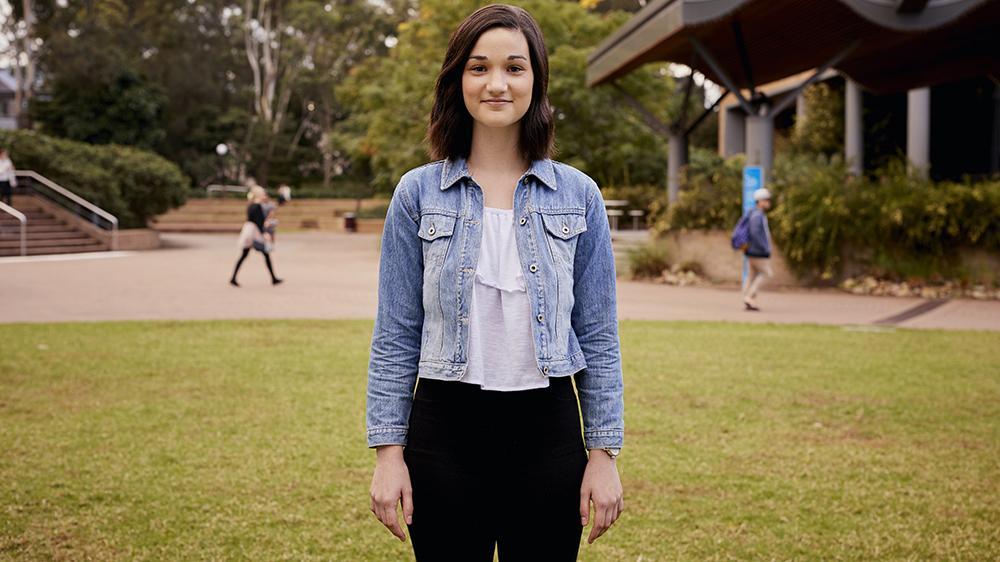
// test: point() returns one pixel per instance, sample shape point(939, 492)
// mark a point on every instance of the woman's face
point(498, 68)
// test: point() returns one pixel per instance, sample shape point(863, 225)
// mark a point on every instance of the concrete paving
point(335, 275)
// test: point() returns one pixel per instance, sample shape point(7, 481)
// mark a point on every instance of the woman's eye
point(481, 67)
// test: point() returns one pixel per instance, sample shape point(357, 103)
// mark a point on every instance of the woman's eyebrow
point(484, 57)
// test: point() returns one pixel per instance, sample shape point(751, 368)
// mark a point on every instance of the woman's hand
point(601, 485)
point(391, 482)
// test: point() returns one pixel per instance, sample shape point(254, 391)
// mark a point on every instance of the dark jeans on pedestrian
point(495, 469)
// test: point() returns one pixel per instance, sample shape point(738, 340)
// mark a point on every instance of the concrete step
point(76, 239)
point(10, 221)
point(59, 249)
point(15, 234)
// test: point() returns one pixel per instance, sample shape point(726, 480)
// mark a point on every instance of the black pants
point(495, 469)
point(243, 256)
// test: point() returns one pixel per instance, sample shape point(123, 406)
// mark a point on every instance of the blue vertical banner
point(753, 179)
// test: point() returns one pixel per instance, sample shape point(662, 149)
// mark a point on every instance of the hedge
point(130, 183)
point(893, 224)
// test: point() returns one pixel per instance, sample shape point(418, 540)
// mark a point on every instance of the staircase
point(228, 215)
point(46, 234)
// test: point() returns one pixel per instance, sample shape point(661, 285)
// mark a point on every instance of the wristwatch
point(612, 452)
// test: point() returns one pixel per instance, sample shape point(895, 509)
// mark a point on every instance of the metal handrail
point(24, 224)
point(76, 199)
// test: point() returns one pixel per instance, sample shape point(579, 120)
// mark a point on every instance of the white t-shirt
point(501, 346)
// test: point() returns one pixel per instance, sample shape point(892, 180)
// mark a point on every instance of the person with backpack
point(753, 237)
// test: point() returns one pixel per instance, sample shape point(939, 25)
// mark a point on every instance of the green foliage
point(648, 260)
point(812, 218)
point(822, 129)
point(130, 183)
point(174, 76)
point(391, 97)
point(896, 225)
point(710, 197)
point(124, 109)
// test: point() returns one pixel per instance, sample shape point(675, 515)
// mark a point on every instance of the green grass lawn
point(246, 440)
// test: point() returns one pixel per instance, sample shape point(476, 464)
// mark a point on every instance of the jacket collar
point(457, 168)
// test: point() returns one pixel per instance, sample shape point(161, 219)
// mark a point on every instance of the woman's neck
point(496, 149)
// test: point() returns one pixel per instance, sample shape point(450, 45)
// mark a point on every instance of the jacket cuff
point(600, 439)
point(386, 436)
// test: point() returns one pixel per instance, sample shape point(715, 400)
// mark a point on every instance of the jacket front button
point(523, 220)
point(545, 369)
point(533, 268)
point(539, 317)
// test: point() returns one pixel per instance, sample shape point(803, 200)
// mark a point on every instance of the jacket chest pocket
point(436, 231)
point(562, 232)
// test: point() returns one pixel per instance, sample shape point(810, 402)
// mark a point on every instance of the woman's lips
point(496, 102)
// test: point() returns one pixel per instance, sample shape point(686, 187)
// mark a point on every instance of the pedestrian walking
point(496, 293)
point(284, 194)
point(758, 249)
point(252, 234)
point(8, 180)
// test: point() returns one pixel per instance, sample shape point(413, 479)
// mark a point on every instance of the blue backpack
point(741, 234)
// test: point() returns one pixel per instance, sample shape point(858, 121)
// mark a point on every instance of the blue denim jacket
point(430, 248)
point(760, 235)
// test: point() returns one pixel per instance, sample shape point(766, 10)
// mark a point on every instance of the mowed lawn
point(245, 440)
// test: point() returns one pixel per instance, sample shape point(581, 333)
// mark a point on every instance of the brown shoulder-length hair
point(449, 134)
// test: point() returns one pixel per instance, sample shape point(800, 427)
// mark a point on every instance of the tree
point(18, 30)
point(391, 96)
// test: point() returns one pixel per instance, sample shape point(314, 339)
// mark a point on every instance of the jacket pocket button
point(430, 231)
point(565, 229)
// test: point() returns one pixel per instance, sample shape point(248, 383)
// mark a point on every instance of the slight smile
point(496, 102)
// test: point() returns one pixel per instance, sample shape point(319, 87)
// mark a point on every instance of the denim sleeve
point(395, 348)
point(595, 323)
point(758, 236)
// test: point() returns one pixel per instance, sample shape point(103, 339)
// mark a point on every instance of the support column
point(918, 128)
point(800, 109)
point(760, 141)
point(676, 159)
point(854, 129)
point(995, 149)
point(734, 135)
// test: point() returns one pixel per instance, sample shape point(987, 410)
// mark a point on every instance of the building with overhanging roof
point(880, 46)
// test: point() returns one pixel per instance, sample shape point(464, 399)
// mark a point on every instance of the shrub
point(709, 197)
point(130, 183)
point(648, 261)
point(895, 225)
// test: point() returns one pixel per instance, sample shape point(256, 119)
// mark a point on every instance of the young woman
point(253, 233)
point(496, 292)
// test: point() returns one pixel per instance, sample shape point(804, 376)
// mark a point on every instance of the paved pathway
point(334, 275)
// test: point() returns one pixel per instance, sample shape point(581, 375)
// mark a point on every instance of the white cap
point(761, 193)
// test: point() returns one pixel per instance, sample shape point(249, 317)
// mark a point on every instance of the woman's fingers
point(605, 515)
point(387, 515)
point(392, 522)
point(385, 511)
point(408, 505)
point(599, 522)
point(584, 506)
